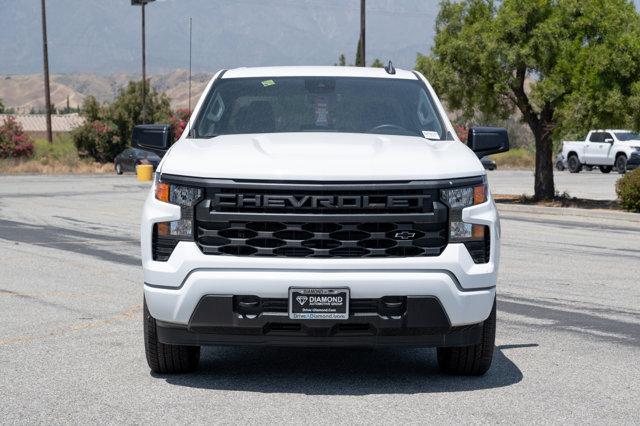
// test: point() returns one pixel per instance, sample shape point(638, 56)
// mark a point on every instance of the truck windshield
point(319, 104)
point(628, 136)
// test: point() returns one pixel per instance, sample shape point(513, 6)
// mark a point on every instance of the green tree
point(377, 63)
point(342, 60)
point(126, 109)
point(564, 65)
point(91, 109)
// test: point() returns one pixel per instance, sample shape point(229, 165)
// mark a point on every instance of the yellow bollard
point(144, 172)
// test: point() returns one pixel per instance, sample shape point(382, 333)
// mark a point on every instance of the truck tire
point(606, 169)
point(118, 168)
point(472, 360)
point(621, 164)
point(573, 163)
point(163, 358)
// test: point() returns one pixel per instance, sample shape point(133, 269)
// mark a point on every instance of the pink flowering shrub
point(179, 121)
point(14, 143)
point(461, 131)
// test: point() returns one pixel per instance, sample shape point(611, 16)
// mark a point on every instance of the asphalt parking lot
point(71, 349)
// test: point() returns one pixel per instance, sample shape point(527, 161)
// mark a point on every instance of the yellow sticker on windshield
point(267, 83)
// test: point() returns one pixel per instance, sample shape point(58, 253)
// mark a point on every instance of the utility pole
point(362, 32)
point(47, 90)
point(144, 70)
point(144, 58)
point(190, 32)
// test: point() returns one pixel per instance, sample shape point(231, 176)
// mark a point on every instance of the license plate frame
point(304, 306)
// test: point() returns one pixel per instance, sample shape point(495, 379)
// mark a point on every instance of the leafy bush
point(108, 128)
point(628, 190)
point(99, 140)
point(14, 143)
point(126, 110)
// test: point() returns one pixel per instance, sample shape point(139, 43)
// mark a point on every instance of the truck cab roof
point(317, 71)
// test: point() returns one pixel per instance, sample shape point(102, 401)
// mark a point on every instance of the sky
point(103, 36)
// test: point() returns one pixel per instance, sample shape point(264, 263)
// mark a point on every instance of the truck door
point(594, 145)
point(605, 156)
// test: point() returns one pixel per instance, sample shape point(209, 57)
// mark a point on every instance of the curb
point(571, 211)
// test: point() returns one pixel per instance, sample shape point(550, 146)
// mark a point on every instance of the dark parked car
point(561, 163)
point(128, 159)
point(488, 163)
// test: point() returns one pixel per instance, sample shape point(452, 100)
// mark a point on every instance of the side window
point(427, 116)
point(596, 137)
point(212, 114)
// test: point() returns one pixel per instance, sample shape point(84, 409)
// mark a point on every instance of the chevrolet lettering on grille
point(318, 201)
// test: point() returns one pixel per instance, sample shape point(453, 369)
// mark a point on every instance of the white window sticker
point(431, 134)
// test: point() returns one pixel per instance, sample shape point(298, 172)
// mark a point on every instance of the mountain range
point(24, 93)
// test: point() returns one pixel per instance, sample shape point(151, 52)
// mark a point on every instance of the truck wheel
point(606, 169)
point(574, 164)
point(472, 360)
point(163, 358)
point(621, 164)
point(118, 169)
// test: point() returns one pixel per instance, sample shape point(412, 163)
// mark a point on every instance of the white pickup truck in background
point(606, 149)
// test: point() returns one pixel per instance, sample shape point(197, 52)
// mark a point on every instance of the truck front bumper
point(177, 305)
point(464, 292)
point(633, 162)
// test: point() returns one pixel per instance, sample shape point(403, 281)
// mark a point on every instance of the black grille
point(308, 221)
point(297, 239)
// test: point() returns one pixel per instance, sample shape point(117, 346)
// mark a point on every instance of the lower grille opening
point(286, 327)
point(354, 328)
point(387, 306)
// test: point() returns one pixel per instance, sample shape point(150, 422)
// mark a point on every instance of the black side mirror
point(488, 140)
point(152, 137)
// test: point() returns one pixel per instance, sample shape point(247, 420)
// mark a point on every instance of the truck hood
point(321, 157)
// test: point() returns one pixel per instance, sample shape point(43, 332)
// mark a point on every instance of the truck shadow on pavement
point(338, 371)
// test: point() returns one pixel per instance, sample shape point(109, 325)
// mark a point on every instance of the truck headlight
point(457, 199)
point(184, 196)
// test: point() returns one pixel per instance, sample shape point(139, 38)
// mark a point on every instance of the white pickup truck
point(320, 206)
point(603, 148)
